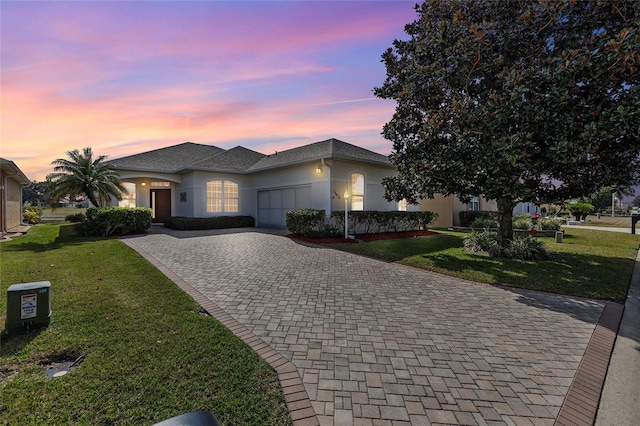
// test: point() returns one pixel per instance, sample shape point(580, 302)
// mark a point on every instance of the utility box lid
point(29, 286)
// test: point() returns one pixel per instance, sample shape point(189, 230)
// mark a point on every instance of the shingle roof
point(192, 156)
point(330, 148)
point(171, 159)
point(236, 159)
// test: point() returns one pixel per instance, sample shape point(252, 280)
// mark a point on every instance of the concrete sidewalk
point(602, 228)
point(620, 400)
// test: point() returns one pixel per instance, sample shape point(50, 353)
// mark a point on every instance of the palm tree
point(80, 174)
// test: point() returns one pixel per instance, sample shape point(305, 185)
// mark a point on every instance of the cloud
point(124, 77)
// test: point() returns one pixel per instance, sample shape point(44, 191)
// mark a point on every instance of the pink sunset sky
point(127, 77)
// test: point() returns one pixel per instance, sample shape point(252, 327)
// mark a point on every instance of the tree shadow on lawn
point(66, 237)
point(581, 275)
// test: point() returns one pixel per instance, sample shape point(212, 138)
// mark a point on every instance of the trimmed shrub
point(202, 223)
point(31, 214)
point(305, 222)
point(105, 221)
point(75, 217)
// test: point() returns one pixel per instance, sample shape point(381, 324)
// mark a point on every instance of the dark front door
point(161, 204)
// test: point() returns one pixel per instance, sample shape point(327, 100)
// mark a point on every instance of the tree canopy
point(516, 101)
point(81, 174)
point(35, 193)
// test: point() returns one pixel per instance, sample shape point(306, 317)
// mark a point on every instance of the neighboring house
point(196, 180)
point(449, 208)
point(11, 182)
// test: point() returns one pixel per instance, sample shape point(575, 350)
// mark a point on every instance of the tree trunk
point(93, 200)
point(505, 224)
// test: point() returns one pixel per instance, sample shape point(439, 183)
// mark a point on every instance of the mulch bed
point(360, 238)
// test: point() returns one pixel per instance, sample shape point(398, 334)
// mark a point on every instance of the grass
point(617, 221)
point(148, 353)
point(595, 264)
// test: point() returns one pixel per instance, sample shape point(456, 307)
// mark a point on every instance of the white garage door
point(274, 204)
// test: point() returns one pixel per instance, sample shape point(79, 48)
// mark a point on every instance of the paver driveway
point(381, 343)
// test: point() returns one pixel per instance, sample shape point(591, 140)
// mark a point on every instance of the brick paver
point(381, 343)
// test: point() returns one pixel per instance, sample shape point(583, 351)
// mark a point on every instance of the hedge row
point(310, 222)
point(372, 221)
point(305, 222)
point(200, 223)
point(105, 221)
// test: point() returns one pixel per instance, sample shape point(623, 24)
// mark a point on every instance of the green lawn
point(148, 354)
point(617, 221)
point(595, 264)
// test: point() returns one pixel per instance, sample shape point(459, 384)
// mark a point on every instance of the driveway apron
point(381, 343)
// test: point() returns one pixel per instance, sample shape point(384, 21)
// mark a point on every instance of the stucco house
point(196, 180)
point(449, 208)
point(12, 179)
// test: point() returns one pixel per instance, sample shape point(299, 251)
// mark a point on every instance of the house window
point(474, 205)
point(128, 199)
point(357, 191)
point(402, 205)
point(160, 184)
point(222, 196)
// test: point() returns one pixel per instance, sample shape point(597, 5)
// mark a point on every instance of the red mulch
point(365, 237)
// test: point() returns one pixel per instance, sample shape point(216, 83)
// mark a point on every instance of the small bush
point(306, 222)
point(202, 223)
point(468, 216)
point(525, 247)
point(482, 241)
point(105, 221)
point(31, 214)
point(484, 223)
point(522, 221)
point(75, 217)
point(549, 224)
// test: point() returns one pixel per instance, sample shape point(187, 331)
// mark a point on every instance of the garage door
point(274, 204)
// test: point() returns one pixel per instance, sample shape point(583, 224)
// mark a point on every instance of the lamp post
point(346, 215)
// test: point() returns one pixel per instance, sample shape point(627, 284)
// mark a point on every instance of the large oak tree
point(515, 101)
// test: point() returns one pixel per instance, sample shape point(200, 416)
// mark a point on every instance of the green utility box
point(28, 307)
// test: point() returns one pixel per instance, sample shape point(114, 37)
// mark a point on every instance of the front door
point(160, 204)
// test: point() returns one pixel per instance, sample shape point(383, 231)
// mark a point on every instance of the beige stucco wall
point(441, 205)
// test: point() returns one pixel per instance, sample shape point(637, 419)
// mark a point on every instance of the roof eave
point(15, 172)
